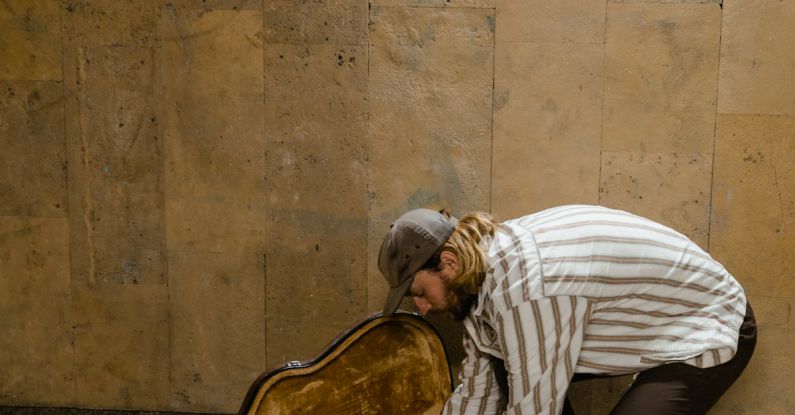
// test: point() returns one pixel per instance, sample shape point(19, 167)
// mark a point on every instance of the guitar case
point(382, 365)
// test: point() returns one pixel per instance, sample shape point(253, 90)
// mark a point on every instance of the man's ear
point(448, 258)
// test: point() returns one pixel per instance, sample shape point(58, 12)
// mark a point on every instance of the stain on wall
point(31, 42)
point(192, 192)
point(33, 159)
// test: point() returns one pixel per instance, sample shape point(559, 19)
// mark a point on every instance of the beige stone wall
point(193, 191)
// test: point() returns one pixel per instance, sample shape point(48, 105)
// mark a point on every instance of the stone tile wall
point(192, 192)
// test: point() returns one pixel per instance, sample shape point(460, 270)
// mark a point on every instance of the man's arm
point(479, 392)
point(541, 342)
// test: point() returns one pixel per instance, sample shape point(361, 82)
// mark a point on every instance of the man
point(571, 292)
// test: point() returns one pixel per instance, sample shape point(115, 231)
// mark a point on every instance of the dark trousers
point(678, 388)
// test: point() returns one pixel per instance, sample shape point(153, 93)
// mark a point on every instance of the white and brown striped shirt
point(588, 289)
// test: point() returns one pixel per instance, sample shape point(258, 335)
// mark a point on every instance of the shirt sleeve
point(479, 392)
point(541, 341)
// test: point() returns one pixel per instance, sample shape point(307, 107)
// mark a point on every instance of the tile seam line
point(83, 164)
point(157, 96)
point(205, 252)
point(36, 80)
point(551, 42)
point(40, 216)
point(264, 162)
point(637, 151)
point(67, 208)
point(755, 114)
point(714, 137)
point(367, 188)
point(265, 306)
point(602, 109)
point(493, 97)
point(666, 2)
point(328, 43)
point(414, 6)
point(778, 297)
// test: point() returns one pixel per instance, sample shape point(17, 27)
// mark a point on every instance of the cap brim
point(395, 296)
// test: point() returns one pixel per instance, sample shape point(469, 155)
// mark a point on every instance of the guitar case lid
point(382, 365)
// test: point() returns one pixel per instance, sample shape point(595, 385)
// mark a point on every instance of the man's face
point(432, 295)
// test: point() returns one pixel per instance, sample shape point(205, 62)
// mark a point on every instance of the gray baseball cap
point(411, 240)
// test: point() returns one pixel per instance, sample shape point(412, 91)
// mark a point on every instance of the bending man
point(571, 292)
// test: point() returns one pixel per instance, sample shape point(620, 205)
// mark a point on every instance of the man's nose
point(422, 305)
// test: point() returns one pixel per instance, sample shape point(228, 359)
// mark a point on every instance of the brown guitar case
point(383, 365)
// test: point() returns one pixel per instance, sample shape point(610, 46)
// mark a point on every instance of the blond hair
point(465, 244)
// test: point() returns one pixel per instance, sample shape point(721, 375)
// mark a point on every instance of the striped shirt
point(587, 289)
